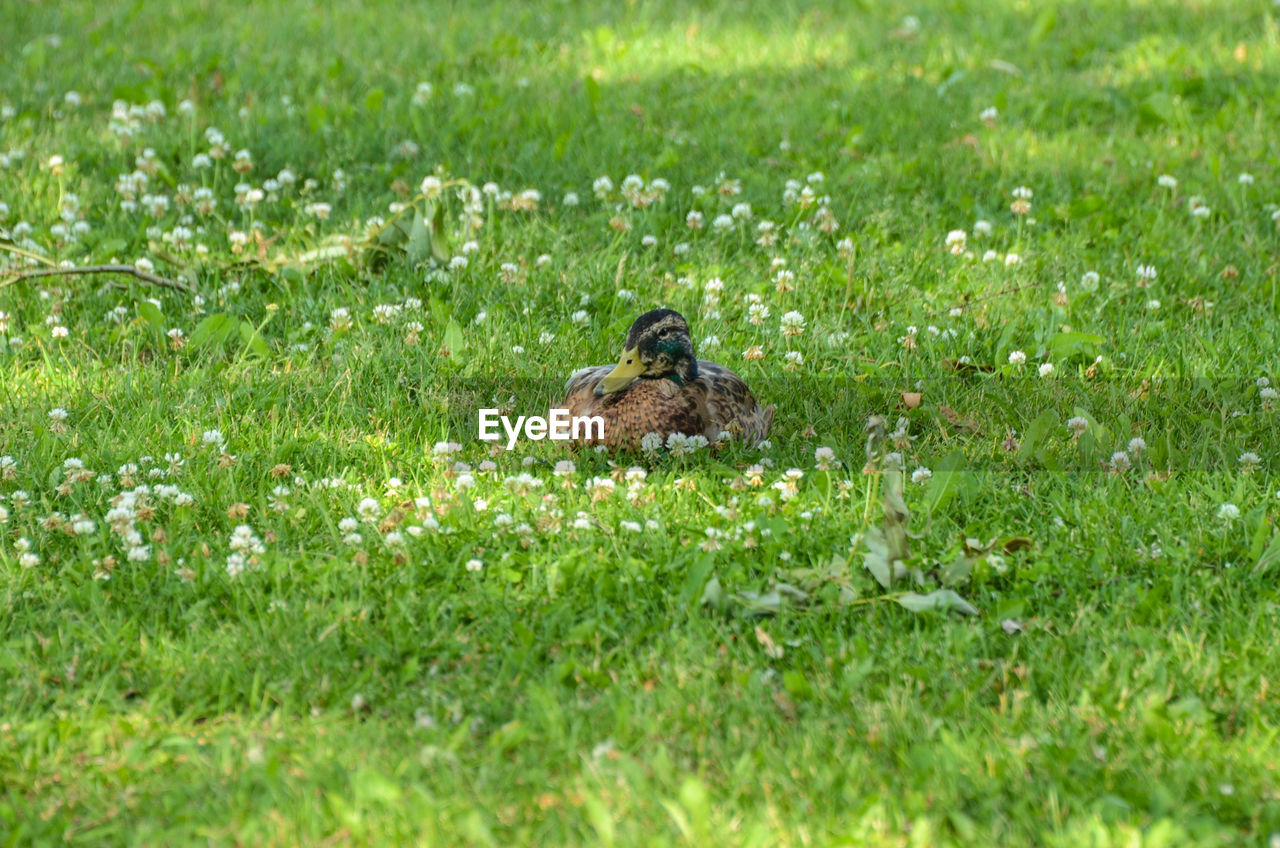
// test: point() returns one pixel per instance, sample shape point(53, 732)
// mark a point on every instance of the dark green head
point(657, 345)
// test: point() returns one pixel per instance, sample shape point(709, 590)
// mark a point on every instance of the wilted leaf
point(712, 594)
point(957, 420)
point(911, 400)
point(940, 599)
point(1270, 557)
point(418, 248)
point(966, 367)
point(439, 236)
point(771, 602)
point(1017, 543)
point(958, 570)
point(771, 648)
point(877, 560)
point(1005, 67)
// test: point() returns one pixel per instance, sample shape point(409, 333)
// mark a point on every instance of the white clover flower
point(474, 565)
point(601, 487)
point(570, 199)
point(1146, 273)
point(651, 443)
point(1167, 181)
point(955, 241)
point(340, 319)
point(1120, 461)
point(1089, 281)
point(369, 509)
point(988, 115)
point(1017, 357)
point(921, 474)
point(1249, 461)
point(1012, 259)
point(564, 468)
point(1046, 369)
point(457, 263)
point(1228, 512)
point(792, 324)
point(793, 358)
point(1077, 424)
point(1245, 178)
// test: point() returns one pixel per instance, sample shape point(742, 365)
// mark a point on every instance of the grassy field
point(260, 583)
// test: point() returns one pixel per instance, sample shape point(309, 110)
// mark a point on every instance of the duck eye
point(664, 332)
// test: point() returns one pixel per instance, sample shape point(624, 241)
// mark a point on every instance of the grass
point(620, 668)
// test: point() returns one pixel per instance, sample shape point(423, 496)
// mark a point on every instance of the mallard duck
point(659, 387)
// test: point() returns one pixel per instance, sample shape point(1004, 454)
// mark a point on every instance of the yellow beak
point(628, 368)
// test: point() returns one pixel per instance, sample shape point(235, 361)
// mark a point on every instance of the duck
point(659, 386)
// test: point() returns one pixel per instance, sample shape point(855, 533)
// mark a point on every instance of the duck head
point(657, 347)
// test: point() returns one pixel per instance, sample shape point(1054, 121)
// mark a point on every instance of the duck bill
point(627, 369)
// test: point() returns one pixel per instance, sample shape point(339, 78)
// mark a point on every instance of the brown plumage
point(659, 387)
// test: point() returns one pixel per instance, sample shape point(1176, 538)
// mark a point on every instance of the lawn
point(261, 583)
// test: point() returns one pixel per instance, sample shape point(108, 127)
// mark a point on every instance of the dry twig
point(10, 277)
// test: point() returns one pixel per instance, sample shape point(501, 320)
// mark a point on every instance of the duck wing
point(731, 404)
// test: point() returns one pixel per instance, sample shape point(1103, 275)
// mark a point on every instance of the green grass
point(593, 683)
